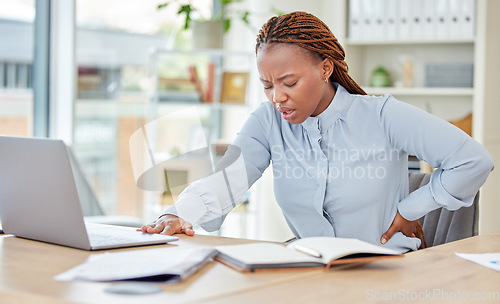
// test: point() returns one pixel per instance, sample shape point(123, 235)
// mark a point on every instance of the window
point(114, 39)
point(16, 94)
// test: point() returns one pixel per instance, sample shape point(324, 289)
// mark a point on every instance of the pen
point(308, 251)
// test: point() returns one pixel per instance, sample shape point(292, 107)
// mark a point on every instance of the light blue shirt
point(344, 172)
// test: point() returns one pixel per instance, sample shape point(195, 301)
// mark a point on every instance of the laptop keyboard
point(102, 235)
point(103, 240)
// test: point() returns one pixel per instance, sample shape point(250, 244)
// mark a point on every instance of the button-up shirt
point(344, 173)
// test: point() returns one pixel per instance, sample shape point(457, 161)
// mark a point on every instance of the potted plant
point(208, 32)
point(224, 15)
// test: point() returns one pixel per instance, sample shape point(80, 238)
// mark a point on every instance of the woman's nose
point(279, 96)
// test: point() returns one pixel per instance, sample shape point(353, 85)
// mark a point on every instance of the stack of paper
point(169, 265)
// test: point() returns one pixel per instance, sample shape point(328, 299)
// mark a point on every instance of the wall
point(487, 108)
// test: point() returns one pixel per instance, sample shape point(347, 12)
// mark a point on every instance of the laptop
point(39, 199)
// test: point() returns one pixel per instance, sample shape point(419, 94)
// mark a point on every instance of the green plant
point(224, 14)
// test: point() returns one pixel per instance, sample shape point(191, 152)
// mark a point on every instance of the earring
point(326, 79)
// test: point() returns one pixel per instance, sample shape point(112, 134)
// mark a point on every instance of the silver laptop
point(39, 199)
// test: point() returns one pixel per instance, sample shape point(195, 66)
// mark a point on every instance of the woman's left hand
point(400, 224)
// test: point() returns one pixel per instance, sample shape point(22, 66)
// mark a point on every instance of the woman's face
point(294, 80)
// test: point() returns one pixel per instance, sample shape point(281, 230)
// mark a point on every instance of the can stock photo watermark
point(437, 295)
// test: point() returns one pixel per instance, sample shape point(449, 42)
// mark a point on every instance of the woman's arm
point(462, 164)
point(207, 201)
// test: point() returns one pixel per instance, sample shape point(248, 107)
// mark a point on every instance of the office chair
point(442, 226)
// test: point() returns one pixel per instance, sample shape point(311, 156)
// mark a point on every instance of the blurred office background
point(93, 72)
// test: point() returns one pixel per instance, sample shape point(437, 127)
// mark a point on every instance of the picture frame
point(234, 86)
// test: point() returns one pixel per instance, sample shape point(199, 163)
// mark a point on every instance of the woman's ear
point(327, 66)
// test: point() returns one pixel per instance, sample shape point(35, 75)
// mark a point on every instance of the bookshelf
point(201, 72)
point(215, 81)
point(394, 48)
point(364, 58)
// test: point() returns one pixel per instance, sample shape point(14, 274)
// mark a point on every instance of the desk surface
point(435, 275)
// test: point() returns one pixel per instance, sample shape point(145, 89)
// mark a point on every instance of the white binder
point(467, 18)
point(355, 20)
point(454, 18)
point(378, 20)
point(403, 21)
point(391, 13)
point(428, 22)
point(368, 19)
point(416, 19)
point(442, 21)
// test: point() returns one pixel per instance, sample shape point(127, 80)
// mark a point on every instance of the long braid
point(309, 32)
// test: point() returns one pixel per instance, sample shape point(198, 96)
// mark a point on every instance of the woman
point(340, 157)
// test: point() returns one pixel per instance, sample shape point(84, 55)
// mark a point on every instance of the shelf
point(216, 105)
point(468, 92)
point(210, 52)
point(409, 42)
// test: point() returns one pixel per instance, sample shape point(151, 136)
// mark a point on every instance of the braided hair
point(309, 32)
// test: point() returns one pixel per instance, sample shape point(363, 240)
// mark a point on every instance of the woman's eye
point(291, 85)
point(268, 88)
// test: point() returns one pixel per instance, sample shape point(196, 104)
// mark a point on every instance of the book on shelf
point(166, 265)
point(209, 87)
point(319, 252)
point(177, 90)
point(194, 77)
point(179, 96)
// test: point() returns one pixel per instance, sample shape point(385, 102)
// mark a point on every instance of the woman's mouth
point(287, 113)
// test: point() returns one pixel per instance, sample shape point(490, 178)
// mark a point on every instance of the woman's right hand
point(168, 224)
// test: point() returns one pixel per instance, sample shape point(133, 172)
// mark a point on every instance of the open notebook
point(303, 253)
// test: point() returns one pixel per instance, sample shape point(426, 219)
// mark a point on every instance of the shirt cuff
point(417, 204)
point(188, 207)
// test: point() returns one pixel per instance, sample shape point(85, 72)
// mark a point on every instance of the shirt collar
point(335, 110)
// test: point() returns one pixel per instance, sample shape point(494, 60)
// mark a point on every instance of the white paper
point(489, 260)
point(137, 264)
